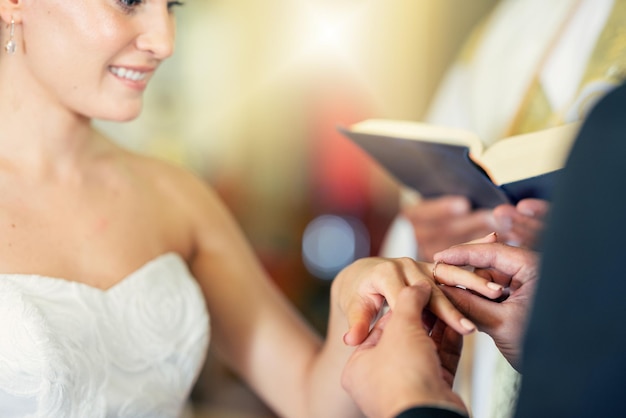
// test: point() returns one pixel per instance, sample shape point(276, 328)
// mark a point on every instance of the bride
point(112, 262)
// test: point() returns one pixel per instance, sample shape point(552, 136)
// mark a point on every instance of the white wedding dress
point(71, 350)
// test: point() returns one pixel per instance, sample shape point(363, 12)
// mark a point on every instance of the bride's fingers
point(418, 275)
point(494, 276)
point(457, 276)
point(441, 306)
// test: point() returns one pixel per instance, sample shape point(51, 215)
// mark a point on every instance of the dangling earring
point(11, 46)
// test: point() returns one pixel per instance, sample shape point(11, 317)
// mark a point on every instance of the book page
point(529, 155)
point(420, 132)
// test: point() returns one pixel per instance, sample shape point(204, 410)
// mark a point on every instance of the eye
point(172, 4)
point(129, 5)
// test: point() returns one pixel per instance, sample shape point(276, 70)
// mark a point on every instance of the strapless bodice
point(71, 350)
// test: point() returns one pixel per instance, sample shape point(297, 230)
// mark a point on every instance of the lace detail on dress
point(71, 350)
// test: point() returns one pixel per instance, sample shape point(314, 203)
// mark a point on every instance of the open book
point(437, 160)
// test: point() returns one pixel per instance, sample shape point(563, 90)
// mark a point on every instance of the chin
point(126, 118)
point(125, 115)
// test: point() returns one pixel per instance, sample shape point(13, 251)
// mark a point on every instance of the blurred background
point(251, 101)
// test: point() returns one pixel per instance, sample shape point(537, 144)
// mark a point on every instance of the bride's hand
point(360, 290)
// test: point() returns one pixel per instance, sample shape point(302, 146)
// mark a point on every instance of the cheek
point(77, 28)
point(104, 28)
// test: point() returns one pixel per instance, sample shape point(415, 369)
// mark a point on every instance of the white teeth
point(128, 74)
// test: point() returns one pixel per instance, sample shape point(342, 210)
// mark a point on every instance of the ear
point(11, 9)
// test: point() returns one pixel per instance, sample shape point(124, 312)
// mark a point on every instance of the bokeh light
point(331, 242)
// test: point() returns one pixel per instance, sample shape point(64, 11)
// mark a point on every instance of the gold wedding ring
point(435, 271)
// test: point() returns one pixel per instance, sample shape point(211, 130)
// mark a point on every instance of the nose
point(158, 34)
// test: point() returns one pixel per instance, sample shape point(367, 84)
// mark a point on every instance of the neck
point(36, 133)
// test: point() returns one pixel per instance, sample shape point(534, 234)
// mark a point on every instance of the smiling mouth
point(128, 74)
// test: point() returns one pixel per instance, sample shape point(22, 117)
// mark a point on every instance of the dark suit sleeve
point(574, 362)
point(429, 412)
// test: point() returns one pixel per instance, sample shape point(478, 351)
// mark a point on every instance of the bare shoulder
point(174, 183)
point(185, 202)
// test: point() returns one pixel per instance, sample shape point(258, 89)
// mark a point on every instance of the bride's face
point(96, 57)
